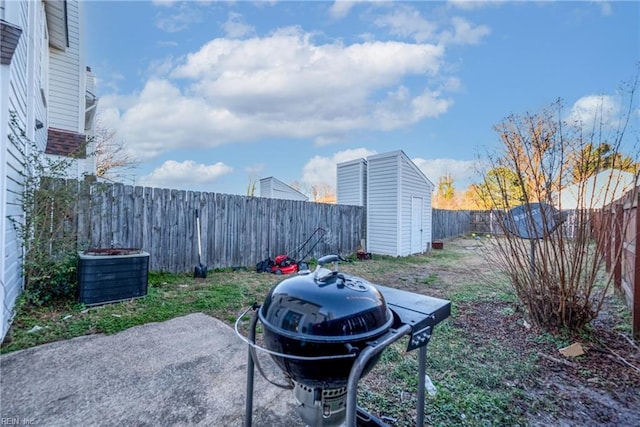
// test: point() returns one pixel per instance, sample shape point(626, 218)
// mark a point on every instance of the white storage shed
point(397, 198)
point(351, 183)
point(276, 189)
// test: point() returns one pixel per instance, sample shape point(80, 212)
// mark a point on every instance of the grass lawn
point(489, 366)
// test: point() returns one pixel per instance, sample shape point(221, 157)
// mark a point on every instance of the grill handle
point(328, 258)
point(326, 272)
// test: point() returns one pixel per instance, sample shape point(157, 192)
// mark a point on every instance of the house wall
point(43, 85)
point(351, 183)
point(276, 189)
point(20, 81)
point(382, 204)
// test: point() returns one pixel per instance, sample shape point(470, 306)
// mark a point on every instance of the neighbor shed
point(275, 189)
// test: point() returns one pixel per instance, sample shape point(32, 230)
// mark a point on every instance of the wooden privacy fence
point(447, 223)
point(236, 230)
point(622, 250)
point(486, 222)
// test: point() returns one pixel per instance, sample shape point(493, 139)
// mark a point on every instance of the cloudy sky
point(206, 94)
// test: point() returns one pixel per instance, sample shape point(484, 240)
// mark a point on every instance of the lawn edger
point(290, 263)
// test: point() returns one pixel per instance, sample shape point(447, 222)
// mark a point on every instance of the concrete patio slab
point(189, 370)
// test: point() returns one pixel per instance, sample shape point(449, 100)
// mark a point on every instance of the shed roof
point(352, 162)
point(402, 154)
point(288, 187)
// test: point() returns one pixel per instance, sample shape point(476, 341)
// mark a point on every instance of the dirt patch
point(601, 387)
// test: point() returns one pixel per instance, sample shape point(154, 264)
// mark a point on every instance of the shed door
point(416, 224)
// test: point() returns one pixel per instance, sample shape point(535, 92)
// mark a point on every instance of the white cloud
point(255, 169)
point(462, 171)
point(160, 67)
point(341, 8)
point(283, 86)
point(235, 26)
point(187, 175)
point(465, 33)
point(163, 119)
point(180, 20)
point(324, 140)
point(164, 3)
point(593, 111)
point(474, 4)
point(399, 108)
point(605, 7)
point(266, 64)
point(109, 79)
point(167, 43)
point(407, 22)
point(322, 170)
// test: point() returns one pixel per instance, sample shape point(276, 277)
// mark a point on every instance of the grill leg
point(248, 414)
point(359, 364)
point(422, 371)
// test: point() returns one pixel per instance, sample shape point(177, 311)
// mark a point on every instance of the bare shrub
point(574, 169)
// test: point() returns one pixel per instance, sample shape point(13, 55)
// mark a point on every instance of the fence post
point(635, 297)
point(607, 235)
point(618, 248)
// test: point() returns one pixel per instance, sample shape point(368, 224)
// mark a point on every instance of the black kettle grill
point(326, 329)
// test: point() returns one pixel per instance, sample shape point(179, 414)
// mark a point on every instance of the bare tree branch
point(113, 161)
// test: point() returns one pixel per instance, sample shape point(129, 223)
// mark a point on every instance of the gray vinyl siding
point(66, 79)
point(40, 57)
point(13, 78)
point(428, 224)
point(392, 181)
point(351, 183)
point(21, 82)
point(382, 205)
point(413, 184)
point(351, 188)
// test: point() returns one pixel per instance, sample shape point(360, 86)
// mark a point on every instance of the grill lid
point(325, 306)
